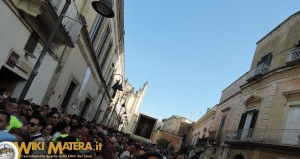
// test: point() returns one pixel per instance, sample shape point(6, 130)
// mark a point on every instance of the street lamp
point(119, 116)
point(122, 122)
point(115, 107)
point(103, 7)
point(115, 87)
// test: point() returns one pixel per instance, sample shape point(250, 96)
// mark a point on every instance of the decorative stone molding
point(252, 99)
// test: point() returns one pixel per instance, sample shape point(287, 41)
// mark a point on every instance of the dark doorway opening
point(68, 95)
point(9, 79)
point(86, 105)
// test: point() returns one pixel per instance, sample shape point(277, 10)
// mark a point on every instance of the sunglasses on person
point(32, 124)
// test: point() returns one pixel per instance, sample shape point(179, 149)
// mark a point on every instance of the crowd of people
point(23, 121)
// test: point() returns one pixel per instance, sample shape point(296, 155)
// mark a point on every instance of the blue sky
point(190, 51)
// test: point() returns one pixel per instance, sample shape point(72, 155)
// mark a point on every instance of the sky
point(190, 51)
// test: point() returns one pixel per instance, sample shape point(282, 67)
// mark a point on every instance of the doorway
point(68, 95)
point(86, 105)
point(9, 80)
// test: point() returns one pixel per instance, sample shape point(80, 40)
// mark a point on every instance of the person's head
point(66, 119)
point(47, 129)
point(73, 122)
point(170, 157)
point(20, 134)
point(63, 127)
point(10, 105)
point(140, 152)
point(110, 152)
point(25, 108)
point(85, 130)
point(54, 117)
point(76, 132)
point(36, 109)
point(44, 110)
point(36, 124)
point(2, 92)
point(4, 120)
point(132, 148)
point(100, 137)
point(67, 139)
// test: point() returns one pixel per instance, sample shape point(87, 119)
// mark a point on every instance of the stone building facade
point(258, 115)
point(175, 129)
point(85, 59)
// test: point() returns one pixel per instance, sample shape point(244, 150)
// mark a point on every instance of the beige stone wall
point(282, 38)
point(273, 94)
point(231, 108)
point(234, 88)
point(272, 109)
point(172, 125)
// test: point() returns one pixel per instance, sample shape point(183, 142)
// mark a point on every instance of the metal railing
point(268, 136)
point(293, 55)
point(71, 22)
point(259, 70)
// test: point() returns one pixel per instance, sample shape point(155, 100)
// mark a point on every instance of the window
point(292, 125)
point(106, 55)
point(111, 79)
point(221, 127)
point(102, 41)
point(265, 60)
point(247, 123)
point(31, 43)
point(95, 29)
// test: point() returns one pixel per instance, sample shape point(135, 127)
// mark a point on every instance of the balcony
point(293, 57)
point(258, 72)
point(43, 14)
point(283, 137)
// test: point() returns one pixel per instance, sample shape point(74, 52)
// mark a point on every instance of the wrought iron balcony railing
point(72, 22)
point(289, 137)
point(259, 71)
point(43, 14)
point(293, 56)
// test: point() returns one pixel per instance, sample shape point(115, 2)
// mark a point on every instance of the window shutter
point(254, 118)
point(219, 133)
point(241, 126)
point(242, 121)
